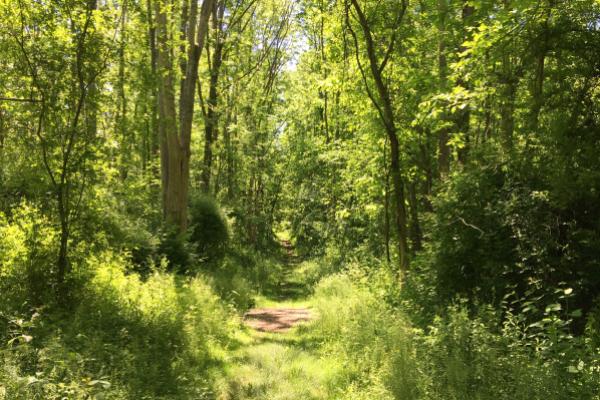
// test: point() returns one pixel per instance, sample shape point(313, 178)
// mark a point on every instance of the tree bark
point(415, 226)
point(176, 133)
point(443, 148)
point(212, 115)
point(463, 119)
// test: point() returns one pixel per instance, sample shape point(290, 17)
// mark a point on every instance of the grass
point(278, 366)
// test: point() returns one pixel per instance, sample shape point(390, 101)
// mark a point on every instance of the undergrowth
point(127, 339)
point(460, 355)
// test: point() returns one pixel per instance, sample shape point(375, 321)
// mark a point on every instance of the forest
point(300, 199)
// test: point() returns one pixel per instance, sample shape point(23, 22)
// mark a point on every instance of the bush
point(461, 355)
point(27, 254)
point(175, 247)
point(231, 281)
point(209, 232)
point(500, 228)
point(128, 339)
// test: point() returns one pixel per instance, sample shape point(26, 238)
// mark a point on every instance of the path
point(278, 357)
point(276, 319)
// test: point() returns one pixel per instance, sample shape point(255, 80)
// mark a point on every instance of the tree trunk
point(212, 115)
point(507, 104)
point(386, 205)
point(537, 85)
point(176, 138)
point(463, 119)
point(385, 108)
point(415, 226)
point(121, 117)
point(155, 136)
point(171, 160)
point(400, 207)
point(443, 148)
point(63, 251)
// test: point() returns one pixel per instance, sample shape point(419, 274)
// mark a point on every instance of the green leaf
point(553, 308)
point(577, 313)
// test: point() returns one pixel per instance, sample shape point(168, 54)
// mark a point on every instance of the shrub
point(128, 339)
point(27, 252)
point(461, 355)
point(174, 246)
point(209, 232)
point(500, 228)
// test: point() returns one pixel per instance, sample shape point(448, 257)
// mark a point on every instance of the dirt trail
point(275, 361)
point(281, 319)
point(276, 319)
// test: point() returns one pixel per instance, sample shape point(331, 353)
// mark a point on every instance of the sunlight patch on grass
point(279, 366)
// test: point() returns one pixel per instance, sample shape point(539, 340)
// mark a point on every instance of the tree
point(377, 61)
point(176, 130)
point(61, 62)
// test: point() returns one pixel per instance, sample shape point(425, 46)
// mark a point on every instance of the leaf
point(577, 313)
point(32, 380)
point(572, 369)
point(97, 382)
point(553, 307)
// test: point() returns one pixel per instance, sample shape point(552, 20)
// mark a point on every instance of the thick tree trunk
point(176, 138)
point(171, 162)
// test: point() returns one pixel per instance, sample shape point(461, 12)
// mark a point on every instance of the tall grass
point(459, 356)
point(127, 339)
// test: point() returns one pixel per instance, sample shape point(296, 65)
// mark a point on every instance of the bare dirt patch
point(276, 319)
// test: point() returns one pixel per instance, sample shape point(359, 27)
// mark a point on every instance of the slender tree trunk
point(383, 102)
point(463, 119)
point(507, 103)
point(537, 85)
point(401, 220)
point(415, 226)
point(121, 117)
point(63, 251)
point(212, 114)
point(229, 151)
point(443, 148)
point(386, 206)
point(155, 136)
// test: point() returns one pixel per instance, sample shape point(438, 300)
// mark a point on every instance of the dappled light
point(299, 200)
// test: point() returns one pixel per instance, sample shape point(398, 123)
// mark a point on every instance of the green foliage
point(209, 232)
point(372, 342)
point(128, 339)
point(27, 242)
point(458, 356)
point(501, 234)
point(174, 246)
point(233, 280)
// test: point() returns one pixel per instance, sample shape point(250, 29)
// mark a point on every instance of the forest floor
point(278, 357)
